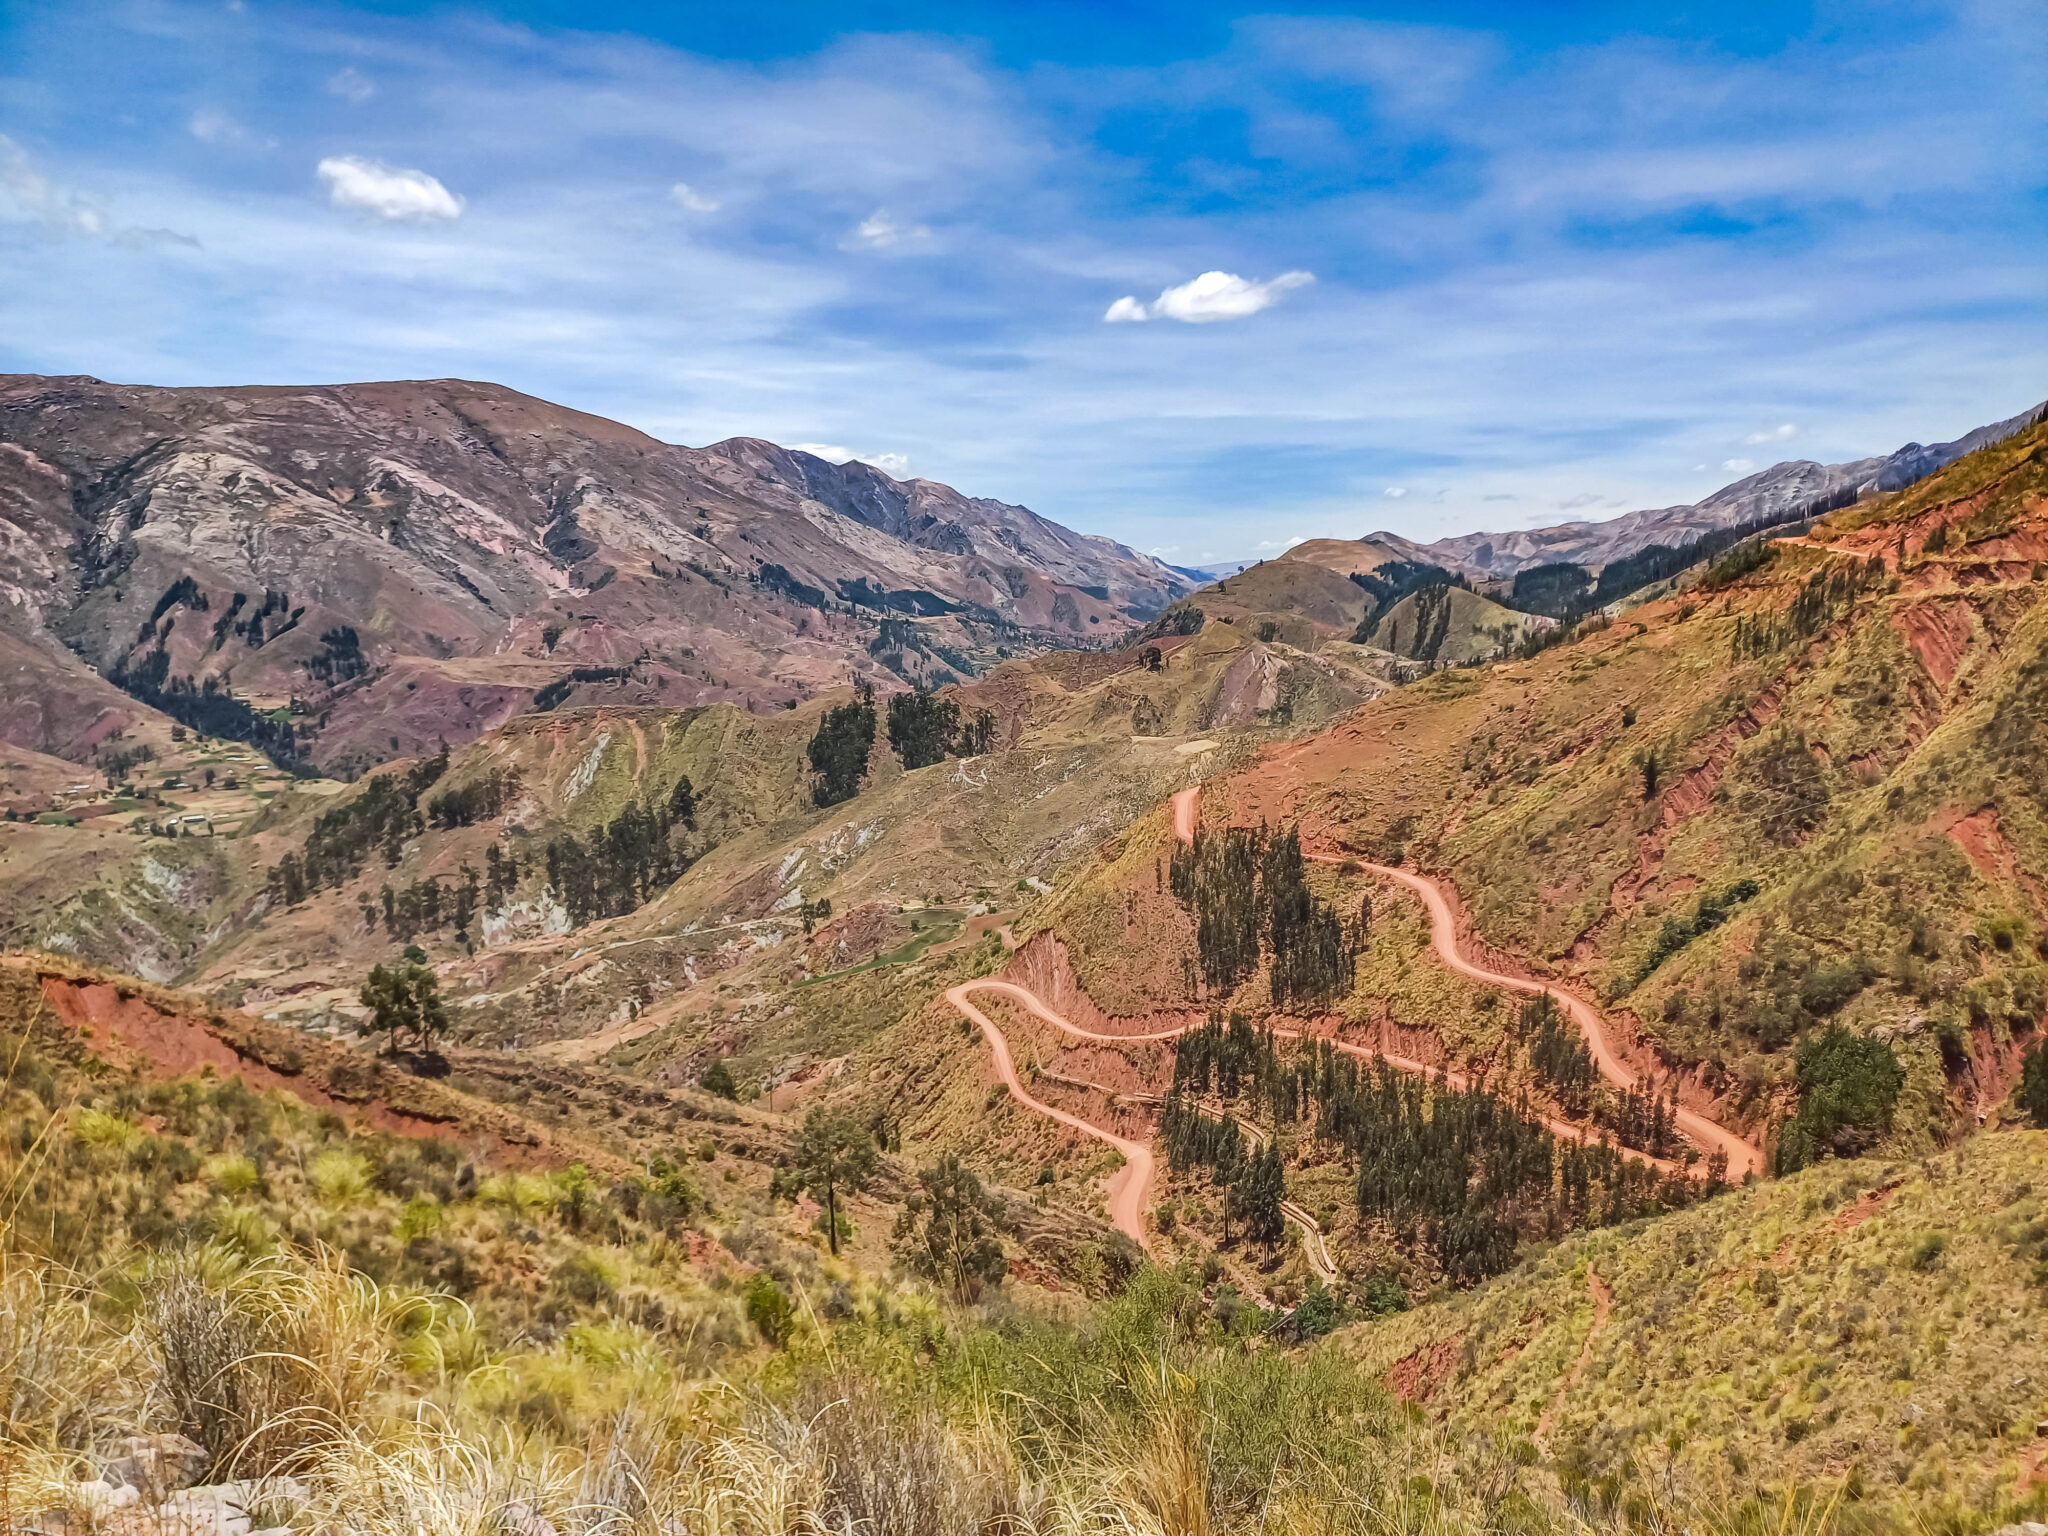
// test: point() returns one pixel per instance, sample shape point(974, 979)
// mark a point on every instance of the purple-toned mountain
point(415, 561)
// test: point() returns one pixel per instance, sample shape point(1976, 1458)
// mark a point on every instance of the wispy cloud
point(211, 125)
point(1775, 435)
point(687, 197)
point(878, 231)
point(386, 191)
point(351, 85)
point(1211, 297)
point(895, 465)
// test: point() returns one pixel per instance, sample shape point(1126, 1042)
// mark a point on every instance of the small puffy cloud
point(687, 197)
point(1738, 466)
point(351, 85)
point(1211, 297)
point(1775, 435)
point(387, 191)
point(895, 465)
point(1395, 492)
point(1287, 543)
point(878, 231)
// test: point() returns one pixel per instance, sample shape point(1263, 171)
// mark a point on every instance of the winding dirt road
point(1744, 1157)
point(1127, 1186)
point(1130, 1184)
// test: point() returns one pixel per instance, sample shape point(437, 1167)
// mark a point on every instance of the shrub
point(771, 1312)
point(340, 1178)
point(1928, 1250)
point(2033, 1089)
point(1848, 1087)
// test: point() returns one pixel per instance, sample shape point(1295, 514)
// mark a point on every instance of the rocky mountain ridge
point(415, 560)
point(1781, 493)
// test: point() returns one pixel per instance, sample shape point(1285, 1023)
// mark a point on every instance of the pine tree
point(835, 1155)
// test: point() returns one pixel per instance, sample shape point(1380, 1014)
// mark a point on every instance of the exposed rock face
point(417, 559)
point(1780, 492)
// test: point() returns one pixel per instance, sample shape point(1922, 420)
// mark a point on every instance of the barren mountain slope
point(416, 559)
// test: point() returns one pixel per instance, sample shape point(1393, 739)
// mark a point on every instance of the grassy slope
point(1881, 1317)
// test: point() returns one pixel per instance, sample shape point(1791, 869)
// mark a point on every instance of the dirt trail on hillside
point(1125, 1198)
point(1129, 1186)
point(1744, 1157)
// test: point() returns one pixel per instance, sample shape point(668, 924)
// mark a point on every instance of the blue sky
point(1466, 265)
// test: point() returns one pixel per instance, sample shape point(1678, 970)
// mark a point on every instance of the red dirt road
point(1744, 1157)
point(1128, 1185)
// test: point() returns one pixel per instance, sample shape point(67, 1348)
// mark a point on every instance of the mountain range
point(407, 562)
point(1783, 493)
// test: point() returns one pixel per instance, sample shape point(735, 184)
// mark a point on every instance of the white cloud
point(210, 125)
point(351, 85)
point(1286, 543)
point(895, 465)
point(1738, 466)
point(387, 191)
point(683, 195)
point(1499, 496)
point(878, 230)
point(1395, 491)
point(1775, 435)
point(29, 196)
point(1212, 296)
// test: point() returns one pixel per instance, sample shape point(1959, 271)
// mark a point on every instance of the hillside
point(1800, 793)
point(406, 563)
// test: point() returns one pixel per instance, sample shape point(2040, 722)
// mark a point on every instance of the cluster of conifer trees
point(1637, 1117)
point(624, 862)
point(1246, 889)
point(1826, 596)
point(925, 728)
point(479, 800)
point(1558, 1053)
point(1465, 1174)
point(839, 750)
point(427, 906)
point(382, 816)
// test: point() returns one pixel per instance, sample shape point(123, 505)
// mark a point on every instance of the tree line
point(924, 728)
point(624, 862)
point(1465, 1175)
point(1248, 894)
point(379, 817)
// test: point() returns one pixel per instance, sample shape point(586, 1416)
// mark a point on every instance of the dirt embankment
point(159, 1033)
